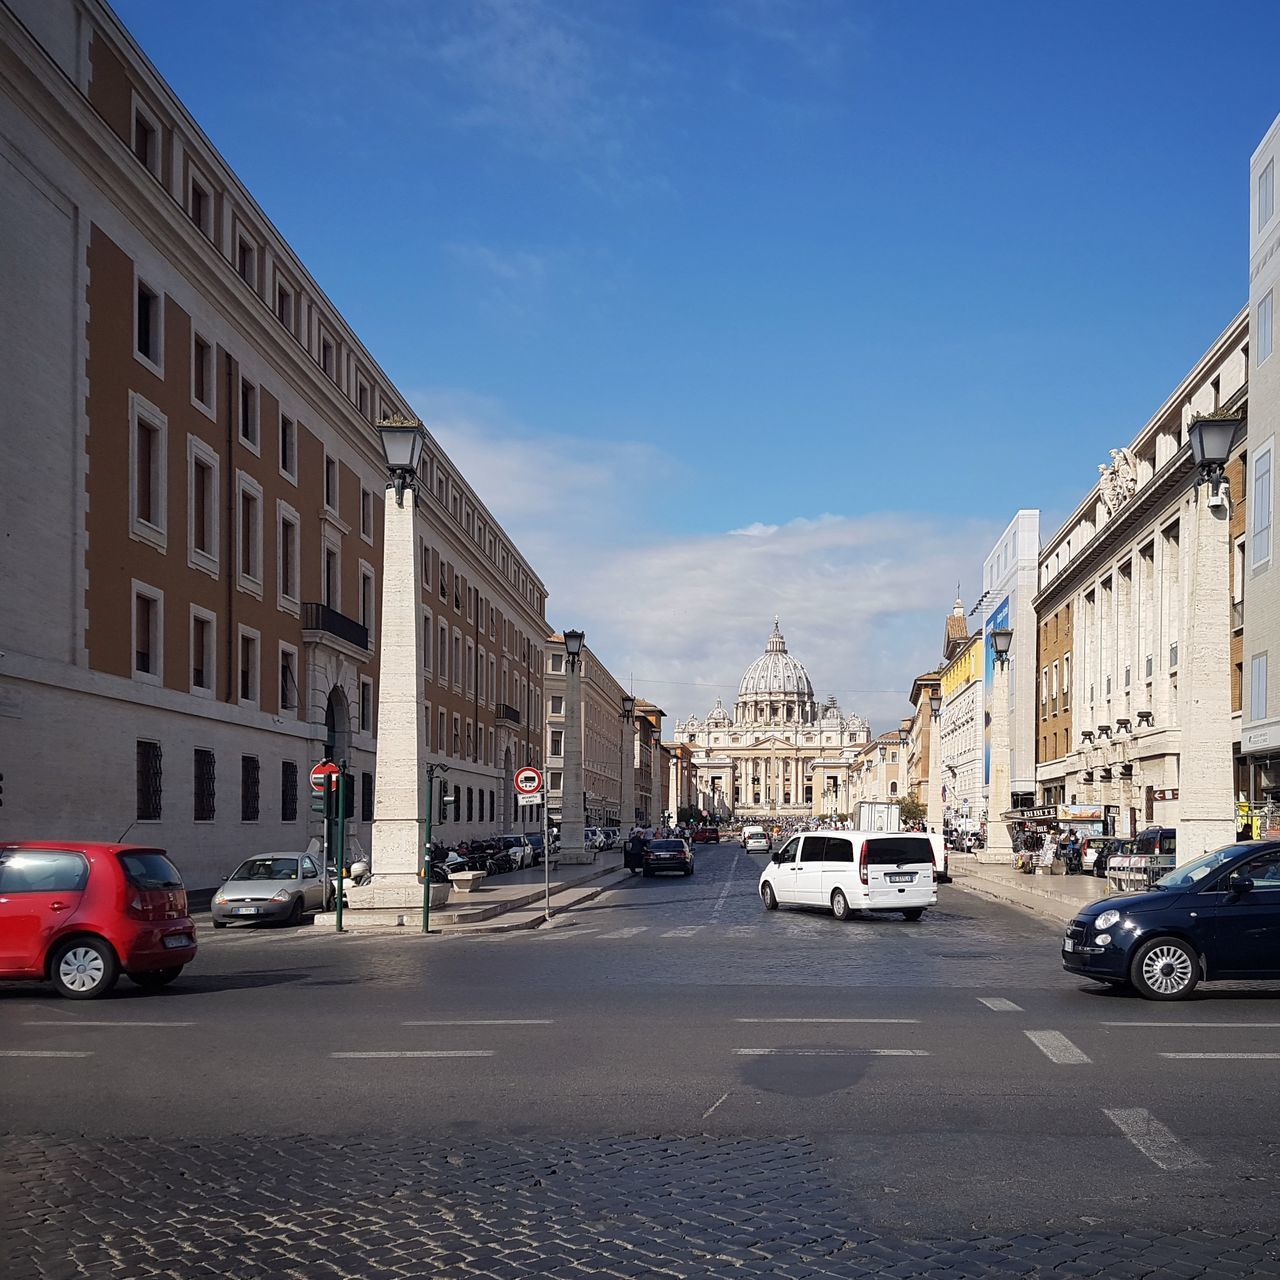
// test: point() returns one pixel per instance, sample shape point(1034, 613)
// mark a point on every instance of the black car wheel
point(769, 897)
point(840, 905)
point(1164, 969)
point(295, 912)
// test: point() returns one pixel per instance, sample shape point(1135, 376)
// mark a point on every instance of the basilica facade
point(778, 753)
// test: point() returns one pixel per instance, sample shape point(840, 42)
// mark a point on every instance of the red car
point(78, 915)
point(706, 835)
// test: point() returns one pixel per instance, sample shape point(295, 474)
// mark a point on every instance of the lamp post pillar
point(573, 819)
point(933, 817)
point(999, 798)
point(627, 814)
point(400, 775)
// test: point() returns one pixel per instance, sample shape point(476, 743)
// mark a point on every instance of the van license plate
point(903, 879)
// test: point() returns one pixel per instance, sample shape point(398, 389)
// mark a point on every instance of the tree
point(911, 810)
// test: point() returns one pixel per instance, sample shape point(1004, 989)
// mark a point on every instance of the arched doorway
point(337, 725)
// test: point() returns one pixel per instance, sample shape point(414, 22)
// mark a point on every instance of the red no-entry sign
point(528, 781)
point(326, 769)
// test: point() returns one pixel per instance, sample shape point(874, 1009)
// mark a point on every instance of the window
point(247, 262)
point(146, 141)
point(288, 791)
point(366, 598)
point(366, 514)
point(287, 537)
point(326, 356)
point(471, 804)
point(556, 781)
point(332, 585)
point(1266, 194)
point(203, 625)
point(1258, 687)
point(1264, 329)
point(249, 788)
point(150, 794)
point(249, 413)
point(205, 785)
point(362, 398)
point(202, 506)
point(331, 483)
point(440, 747)
point(248, 683)
point(1066, 681)
point(201, 372)
point(148, 638)
point(366, 705)
point(289, 696)
point(557, 742)
point(557, 662)
point(1261, 531)
point(249, 534)
point(284, 306)
point(200, 205)
point(148, 468)
point(148, 330)
point(42, 871)
point(442, 654)
point(366, 797)
point(288, 448)
point(1044, 693)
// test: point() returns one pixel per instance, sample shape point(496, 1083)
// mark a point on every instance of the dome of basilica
point(776, 674)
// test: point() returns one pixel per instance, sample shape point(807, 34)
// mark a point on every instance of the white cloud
point(861, 596)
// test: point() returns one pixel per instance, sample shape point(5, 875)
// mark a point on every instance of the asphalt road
point(675, 1082)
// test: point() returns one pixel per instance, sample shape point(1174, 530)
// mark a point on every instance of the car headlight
point(1106, 920)
point(1103, 939)
point(220, 898)
point(282, 896)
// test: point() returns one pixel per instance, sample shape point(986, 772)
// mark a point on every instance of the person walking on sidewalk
point(633, 853)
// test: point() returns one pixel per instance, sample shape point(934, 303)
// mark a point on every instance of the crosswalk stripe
point(625, 933)
point(1057, 1048)
point(684, 931)
point(1155, 1140)
point(998, 1004)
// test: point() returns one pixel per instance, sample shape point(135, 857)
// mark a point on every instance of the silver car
point(271, 886)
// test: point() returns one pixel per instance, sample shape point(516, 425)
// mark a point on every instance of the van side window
point(893, 850)
point(814, 849)
point(788, 853)
point(838, 849)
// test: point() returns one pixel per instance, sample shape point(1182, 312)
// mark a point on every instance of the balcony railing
point(319, 617)
point(507, 713)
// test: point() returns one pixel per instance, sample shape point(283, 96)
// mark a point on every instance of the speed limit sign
point(528, 781)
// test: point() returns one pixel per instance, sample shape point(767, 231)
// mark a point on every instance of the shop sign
point(1165, 793)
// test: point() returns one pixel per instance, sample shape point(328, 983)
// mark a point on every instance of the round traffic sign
point(528, 781)
point(325, 769)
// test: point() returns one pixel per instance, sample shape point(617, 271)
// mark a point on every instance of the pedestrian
point(633, 853)
point(1073, 853)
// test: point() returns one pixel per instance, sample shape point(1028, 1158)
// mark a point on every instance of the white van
point(756, 840)
point(849, 871)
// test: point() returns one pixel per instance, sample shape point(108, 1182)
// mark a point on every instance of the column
point(573, 820)
point(933, 818)
point(999, 845)
point(628, 801)
point(400, 788)
point(1206, 783)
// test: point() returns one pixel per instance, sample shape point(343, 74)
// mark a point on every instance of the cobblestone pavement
point(373, 1210)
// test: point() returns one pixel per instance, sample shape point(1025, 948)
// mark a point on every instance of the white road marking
point(481, 1022)
point(1153, 1139)
point(832, 1053)
point(45, 1053)
point(1227, 1057)
point(714, 1105)
point(420, 1053)
point(743, 930)
point(841, 1021)
point(724, 893)
point(684, 931)
point(108, 1024)
point(625, 933)
point(1056, 1047)
point(998, 1004)
point(1191, 1024)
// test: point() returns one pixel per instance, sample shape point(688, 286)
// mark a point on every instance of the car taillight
point(862, 863)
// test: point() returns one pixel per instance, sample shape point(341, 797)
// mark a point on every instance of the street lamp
point(573, 648)
point(402, 442)
point(935, 704)
point(1001, 639)
point(627, 770)
point(1211, 439)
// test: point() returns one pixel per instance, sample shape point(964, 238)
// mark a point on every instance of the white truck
point(878, 815)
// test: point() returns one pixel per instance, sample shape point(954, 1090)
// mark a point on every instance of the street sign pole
point(426, 856)
point(338, 799)
point(546, 857)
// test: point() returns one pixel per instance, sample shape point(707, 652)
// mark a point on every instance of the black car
point(1215, 918)
point(668, 855)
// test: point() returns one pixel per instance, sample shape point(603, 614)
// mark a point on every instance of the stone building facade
point(960, 755)
point(778, 753)
point(1137, 708)
point(193, 487)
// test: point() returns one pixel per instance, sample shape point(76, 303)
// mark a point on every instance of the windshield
point(667, 846)
point(267, 869)
point(1193, 872)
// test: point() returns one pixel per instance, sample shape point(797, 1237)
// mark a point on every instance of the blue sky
point(734, 307)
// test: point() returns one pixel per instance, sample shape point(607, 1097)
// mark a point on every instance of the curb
point(1035, 903)
point(537, 920)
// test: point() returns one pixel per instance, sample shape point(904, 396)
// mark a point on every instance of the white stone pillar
point(573, 819)
point(399, 790)
point(933, 818)
point(1206, 781)
point(628, 803)
point(999, 845)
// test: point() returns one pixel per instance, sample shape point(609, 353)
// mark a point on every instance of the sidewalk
point(517, 898)
point(1057, 898)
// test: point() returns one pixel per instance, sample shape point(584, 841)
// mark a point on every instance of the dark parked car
point(668, 855)
point(1215, 918)
point(1095, 851)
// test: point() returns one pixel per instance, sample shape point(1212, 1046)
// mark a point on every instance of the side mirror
point(309, 875)
point(1239, 883)
point(777, 857)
